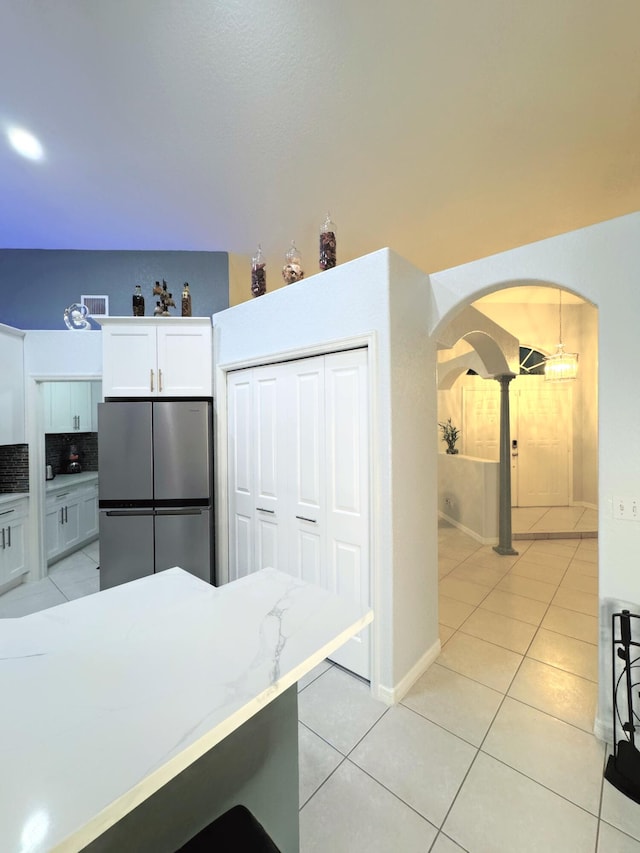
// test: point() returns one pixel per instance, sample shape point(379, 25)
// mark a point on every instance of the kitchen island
point(133, 717)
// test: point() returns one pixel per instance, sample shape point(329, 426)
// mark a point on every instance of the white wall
point(63, 353)
point(383, 301)
point(468, 495)
point(602, 264)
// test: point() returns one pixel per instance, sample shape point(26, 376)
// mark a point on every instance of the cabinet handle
point(151, 380)
point(262, 509)
point(3, 538)
point(159, 380)
point(9, 536)
point(66, 517)
point(7, 511)
point(302, 518)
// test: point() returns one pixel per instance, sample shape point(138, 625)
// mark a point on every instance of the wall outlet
point(627, 509)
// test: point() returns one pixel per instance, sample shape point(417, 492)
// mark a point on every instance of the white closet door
point(240, 454)
point(269, 407)
point(347, 503)
point(307, 487)
point(299, 477)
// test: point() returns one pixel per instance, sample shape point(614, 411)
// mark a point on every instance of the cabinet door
point(88, 513)
point(53, 527)
point(57, 407)
point(14, 552)
point(96, 397)
point(12, 420)
point(80, 405)
point(185, 361)
point(71, 526)
point(129, 366)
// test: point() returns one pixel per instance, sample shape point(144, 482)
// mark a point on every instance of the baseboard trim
point(603, 731)
point(393, 695)
point(484, 540)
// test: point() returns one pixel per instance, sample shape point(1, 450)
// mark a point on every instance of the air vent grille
point(98, 306)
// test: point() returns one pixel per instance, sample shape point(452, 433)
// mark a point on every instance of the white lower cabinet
point(71, 519)
point(299, 477)
point(13, 559)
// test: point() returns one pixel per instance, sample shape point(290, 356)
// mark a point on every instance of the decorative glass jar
point(327, 244)
point(292, 270)
point(258, 273)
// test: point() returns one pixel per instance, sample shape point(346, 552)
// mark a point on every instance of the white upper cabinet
point(12, 429)
point(157, 357)
point(67, 407)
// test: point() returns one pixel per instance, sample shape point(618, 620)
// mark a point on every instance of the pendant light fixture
point(561, 365)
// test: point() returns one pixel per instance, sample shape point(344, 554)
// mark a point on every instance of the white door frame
point(222, 473)
point(35, 440)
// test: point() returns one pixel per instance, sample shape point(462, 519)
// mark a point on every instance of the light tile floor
point(491, 750)
point(551, 521)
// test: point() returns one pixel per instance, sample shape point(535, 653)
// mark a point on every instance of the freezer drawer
point(126, 546)
point(184, 538)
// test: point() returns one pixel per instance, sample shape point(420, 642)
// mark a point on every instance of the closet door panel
point(266, 439)
point(270, 467)
point(241, 478)
point(306, 519)
point(308, 400)
point(347, 478)
point(308, 557)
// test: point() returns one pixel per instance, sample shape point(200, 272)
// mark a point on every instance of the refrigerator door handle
point(180, 511)
point(128, 512)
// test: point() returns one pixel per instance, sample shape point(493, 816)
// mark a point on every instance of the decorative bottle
point(138, 302)
point(258, 273)
point(186, 300)
point(327, 244)
point(292, 270)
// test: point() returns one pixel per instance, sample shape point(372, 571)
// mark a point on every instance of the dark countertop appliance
point(155, 490)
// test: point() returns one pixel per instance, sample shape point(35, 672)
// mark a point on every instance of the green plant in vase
point(450, 434)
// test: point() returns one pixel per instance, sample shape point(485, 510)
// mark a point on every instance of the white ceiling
point(446, 129)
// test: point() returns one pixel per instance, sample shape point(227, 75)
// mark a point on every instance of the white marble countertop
point(12, 496)
point(66, 481)
point(108, 697)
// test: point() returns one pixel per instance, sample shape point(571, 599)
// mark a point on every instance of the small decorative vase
point(292, 270)
point(258, 274)
point(451, 450)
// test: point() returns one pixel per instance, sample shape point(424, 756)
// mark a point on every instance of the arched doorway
point(514, 606)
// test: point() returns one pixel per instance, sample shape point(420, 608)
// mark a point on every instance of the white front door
point(540, 424)
point(542, 430)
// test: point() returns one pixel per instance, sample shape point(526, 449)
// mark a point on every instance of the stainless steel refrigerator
point(155, 461)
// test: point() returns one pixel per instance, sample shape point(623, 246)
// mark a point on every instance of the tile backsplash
point(57, 450)
point(14, 468)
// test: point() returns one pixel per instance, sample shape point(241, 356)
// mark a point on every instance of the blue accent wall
point(36, 285)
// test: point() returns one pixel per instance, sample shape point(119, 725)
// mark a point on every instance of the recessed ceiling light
point(25, 143)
